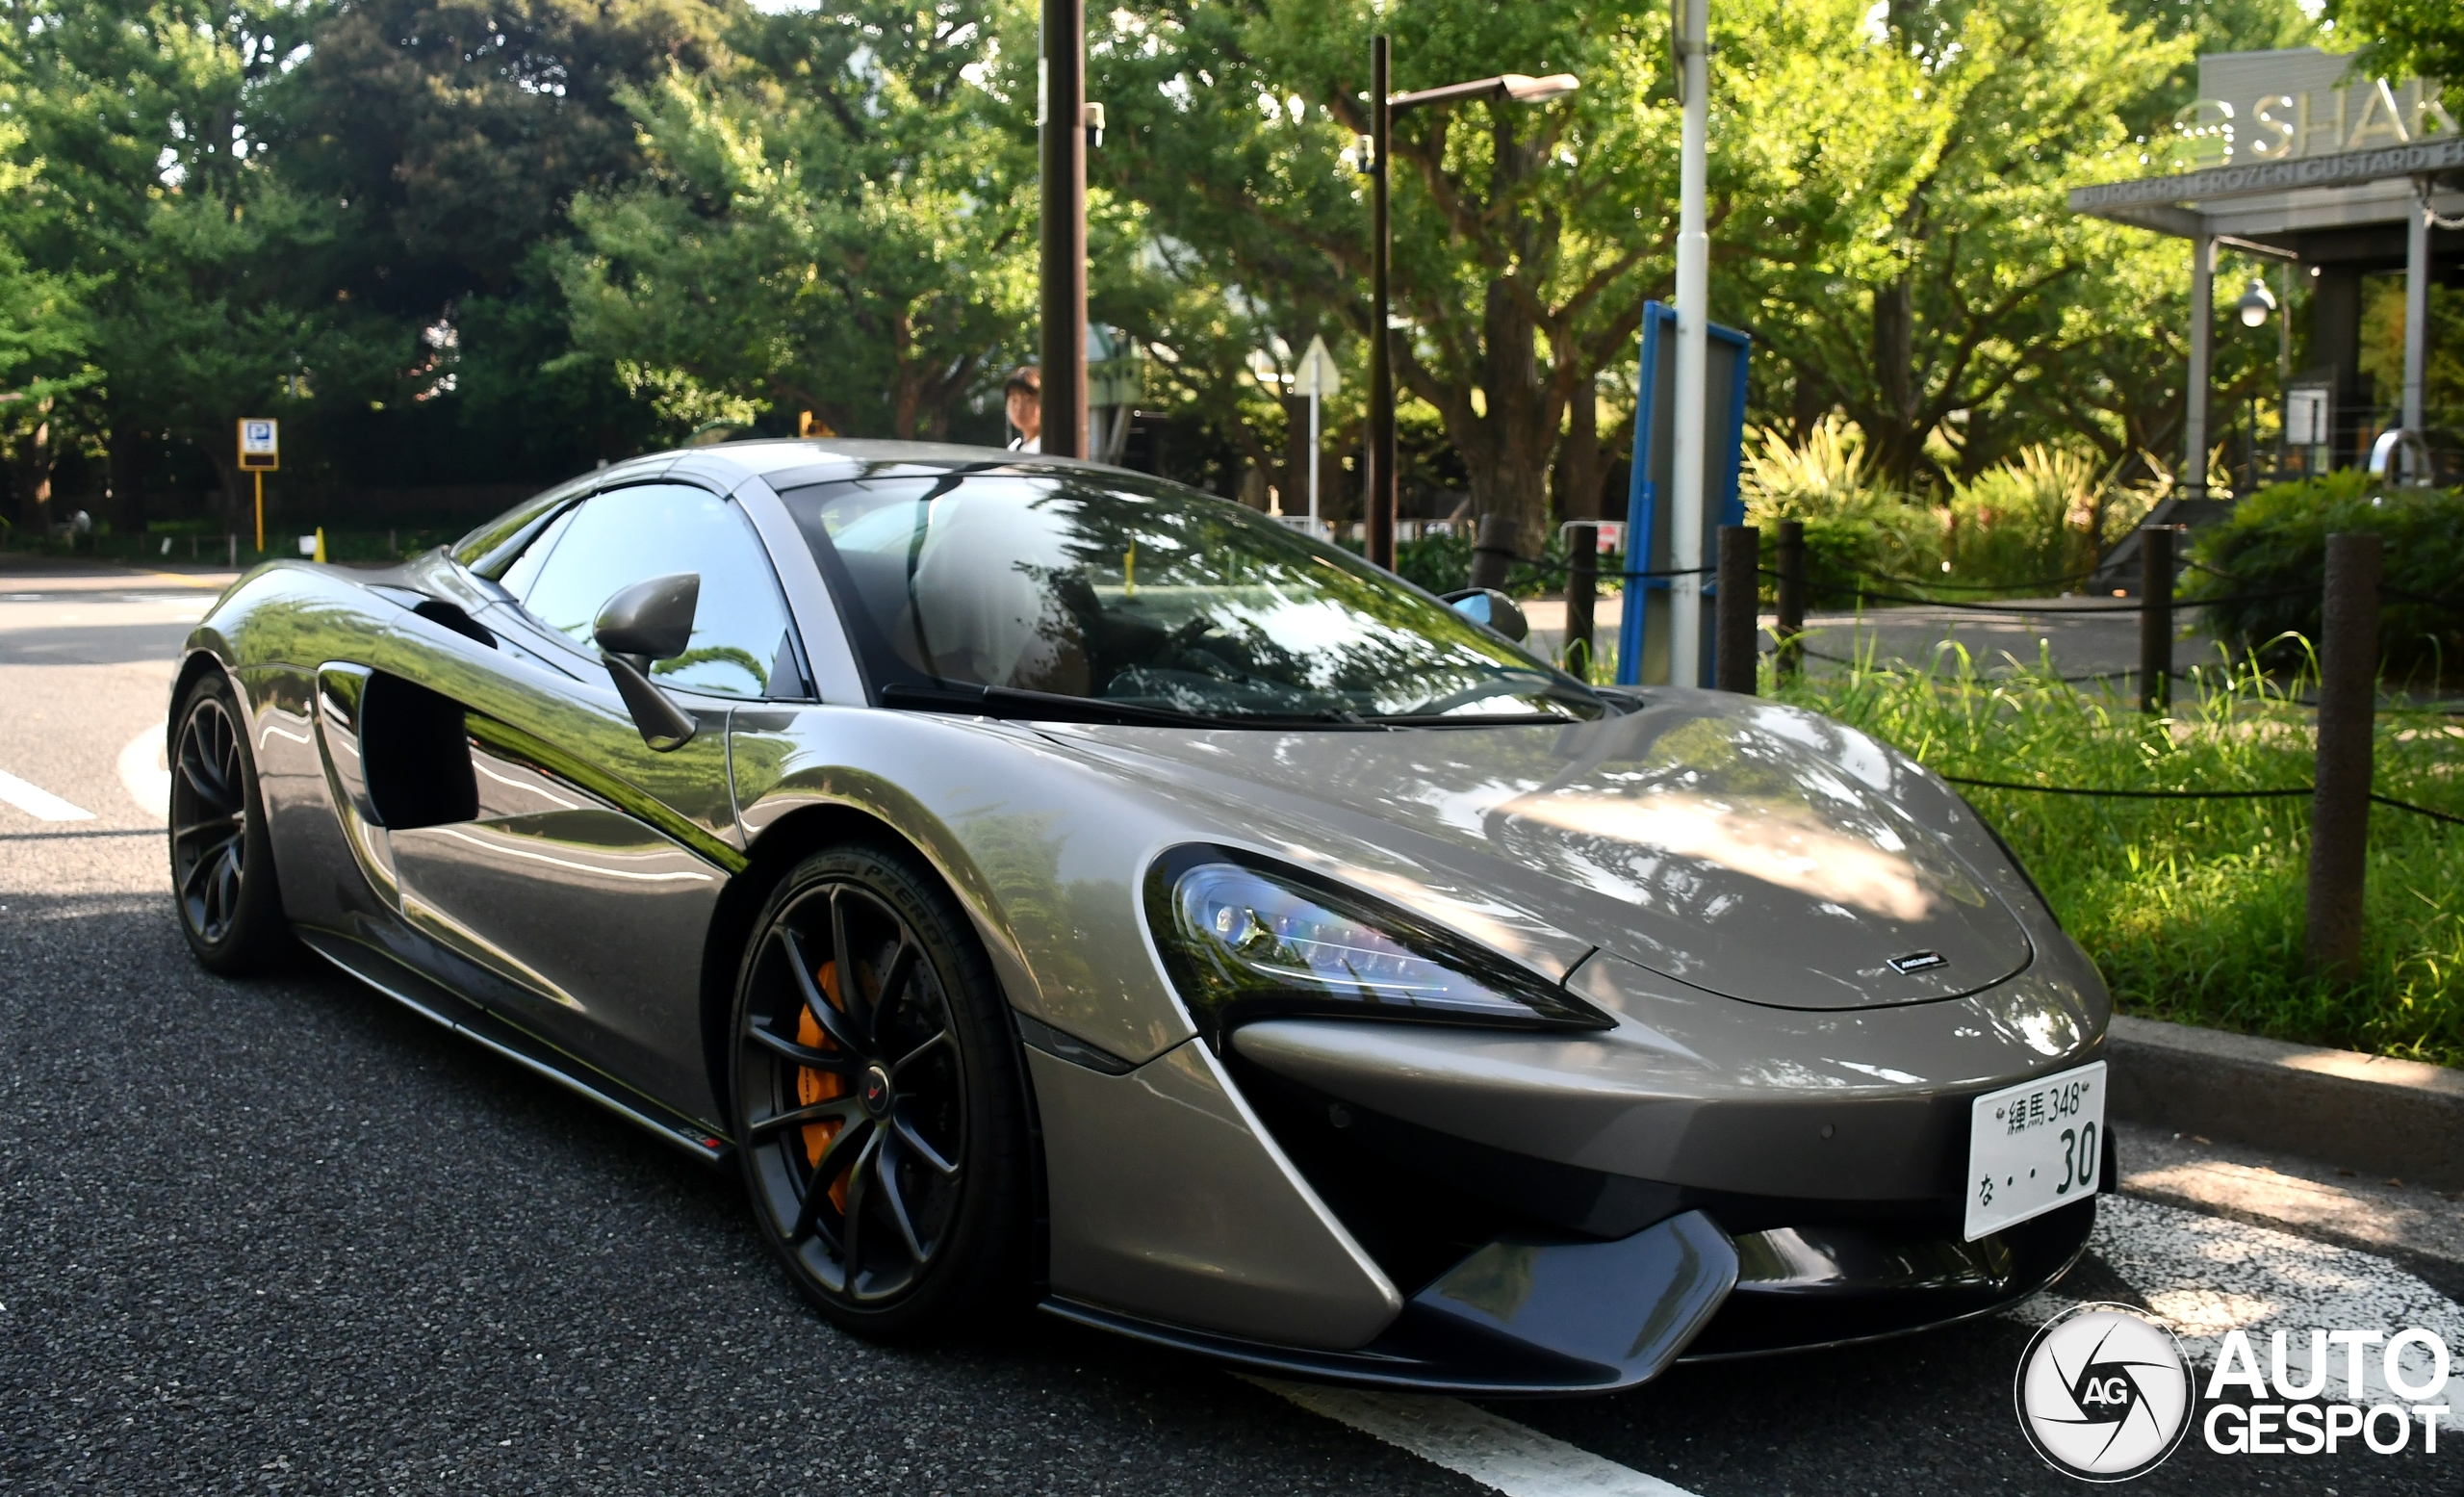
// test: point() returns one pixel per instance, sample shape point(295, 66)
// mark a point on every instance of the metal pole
point(1383, 493)
point(2195, 396)
point(1693, 354)
point(2416, 308)
point(2339, 806)
point(261, 511)
point(2155, 617)
point(1791, 568)
point(1736, 650)
point(1316, 461)
point(1583, 587)
point(1064, 228)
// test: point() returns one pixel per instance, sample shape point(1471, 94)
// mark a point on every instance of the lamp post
point(2253, 308)
point(1692, 40)
point(1383, 492)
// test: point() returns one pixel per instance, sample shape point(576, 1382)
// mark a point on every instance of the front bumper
point(1526, 1317)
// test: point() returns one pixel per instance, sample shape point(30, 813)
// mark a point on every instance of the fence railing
point(2339, 790)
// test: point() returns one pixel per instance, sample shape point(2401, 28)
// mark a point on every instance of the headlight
point(1240, 939)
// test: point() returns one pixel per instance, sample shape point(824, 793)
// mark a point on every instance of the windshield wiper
point(1016, 702)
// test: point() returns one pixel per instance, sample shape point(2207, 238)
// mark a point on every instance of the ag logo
point(2104, 1393)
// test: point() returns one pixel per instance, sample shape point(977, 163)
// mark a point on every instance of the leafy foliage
point(833, 223)
point(2275, 541)
point(2194, 909)
point(2417, 38)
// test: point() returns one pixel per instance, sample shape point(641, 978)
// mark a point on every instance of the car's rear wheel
point(222, 860)
point(878, 1107)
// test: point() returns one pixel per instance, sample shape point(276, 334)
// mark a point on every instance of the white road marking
point(2204, 1276)
point(1492, 1451)
point(148, 779)
point(39, 803)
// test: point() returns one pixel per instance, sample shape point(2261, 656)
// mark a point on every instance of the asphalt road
point(282, 1236)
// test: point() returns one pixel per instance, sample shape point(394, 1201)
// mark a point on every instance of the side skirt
point(435, 1004)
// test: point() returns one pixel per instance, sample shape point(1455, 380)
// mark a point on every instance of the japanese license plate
point(2034, 1147)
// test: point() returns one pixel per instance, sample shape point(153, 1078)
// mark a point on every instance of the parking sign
point(260, 443)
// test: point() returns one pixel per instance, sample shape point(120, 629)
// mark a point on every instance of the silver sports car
point(1049, 885)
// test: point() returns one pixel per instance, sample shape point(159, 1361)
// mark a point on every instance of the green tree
point(1526, 237)
point(2423, 39)
point(835, 224)
point(1907, 248)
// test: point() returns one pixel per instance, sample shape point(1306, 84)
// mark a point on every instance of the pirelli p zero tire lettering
point(877, 1097)
point(222, 875)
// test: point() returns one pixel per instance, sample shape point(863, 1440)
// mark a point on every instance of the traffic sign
point(1318, 373)
point(260, 443)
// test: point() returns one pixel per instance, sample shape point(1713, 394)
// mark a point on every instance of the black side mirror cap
point(1491, 609)
point(653, 619)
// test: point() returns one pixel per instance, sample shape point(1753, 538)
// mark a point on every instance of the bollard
point(2155, 617)
point(1583, 587)
point(231, 549)
point(1737, 649)
point(2340, 802)
point(1493, 551)
point(1791, 558)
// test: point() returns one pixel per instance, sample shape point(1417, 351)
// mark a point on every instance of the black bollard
point(1738, 648)
point(1791, 567)
point(1582, 588)
point(2340, 802)
point(2155, 617)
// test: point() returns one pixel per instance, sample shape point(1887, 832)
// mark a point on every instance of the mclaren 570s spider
point(1048, 885)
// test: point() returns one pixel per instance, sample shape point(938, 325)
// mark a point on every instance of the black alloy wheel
point(222, 860)
point(877, 1097)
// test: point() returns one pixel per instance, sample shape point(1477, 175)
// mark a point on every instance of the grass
point(2194, 909)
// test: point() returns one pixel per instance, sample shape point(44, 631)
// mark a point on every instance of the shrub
point(2194, 909)
point(2277, 540)
point(2038, 521)
point(1855, 525)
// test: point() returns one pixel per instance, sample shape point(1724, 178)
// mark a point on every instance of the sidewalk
point(34, 571)
point(2079, 642)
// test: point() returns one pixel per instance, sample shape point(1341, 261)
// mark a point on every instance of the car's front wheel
point(878, 1106)
point(222, 859)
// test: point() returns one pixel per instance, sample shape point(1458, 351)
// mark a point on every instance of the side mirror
point(648, 622)
point(652, 619)
point(1491, 609)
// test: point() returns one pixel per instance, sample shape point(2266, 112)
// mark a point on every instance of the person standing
point(1024, 395)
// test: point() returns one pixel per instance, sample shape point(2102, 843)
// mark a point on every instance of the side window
point(517, 578)
point(741, 642)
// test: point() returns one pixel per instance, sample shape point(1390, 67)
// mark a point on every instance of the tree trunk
point(30, 461)
point(1582, 465)
point(1898, 443)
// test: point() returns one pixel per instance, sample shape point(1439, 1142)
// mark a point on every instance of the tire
point(879, 1123)
point(222, 876)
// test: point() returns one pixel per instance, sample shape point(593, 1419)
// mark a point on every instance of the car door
point(581, 869)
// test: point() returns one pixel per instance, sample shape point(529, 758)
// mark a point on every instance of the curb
point(2376, 1116)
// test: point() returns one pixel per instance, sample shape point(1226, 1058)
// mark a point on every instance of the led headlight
point(1242, 938)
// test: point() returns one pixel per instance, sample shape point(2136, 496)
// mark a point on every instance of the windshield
point(1149, 596)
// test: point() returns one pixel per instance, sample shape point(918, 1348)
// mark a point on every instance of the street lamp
point(2255, 303)
point(1519, 87)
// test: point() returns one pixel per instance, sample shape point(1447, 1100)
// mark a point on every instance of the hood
point(1742, 846)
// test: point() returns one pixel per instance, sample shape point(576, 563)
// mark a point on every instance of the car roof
point(789, 462)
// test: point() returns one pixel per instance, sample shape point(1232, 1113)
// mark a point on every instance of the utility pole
point(1693, 348)
point(1062, 97)
point(1382, 490)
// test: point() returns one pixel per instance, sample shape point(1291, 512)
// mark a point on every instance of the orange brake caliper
point(821, 1086)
